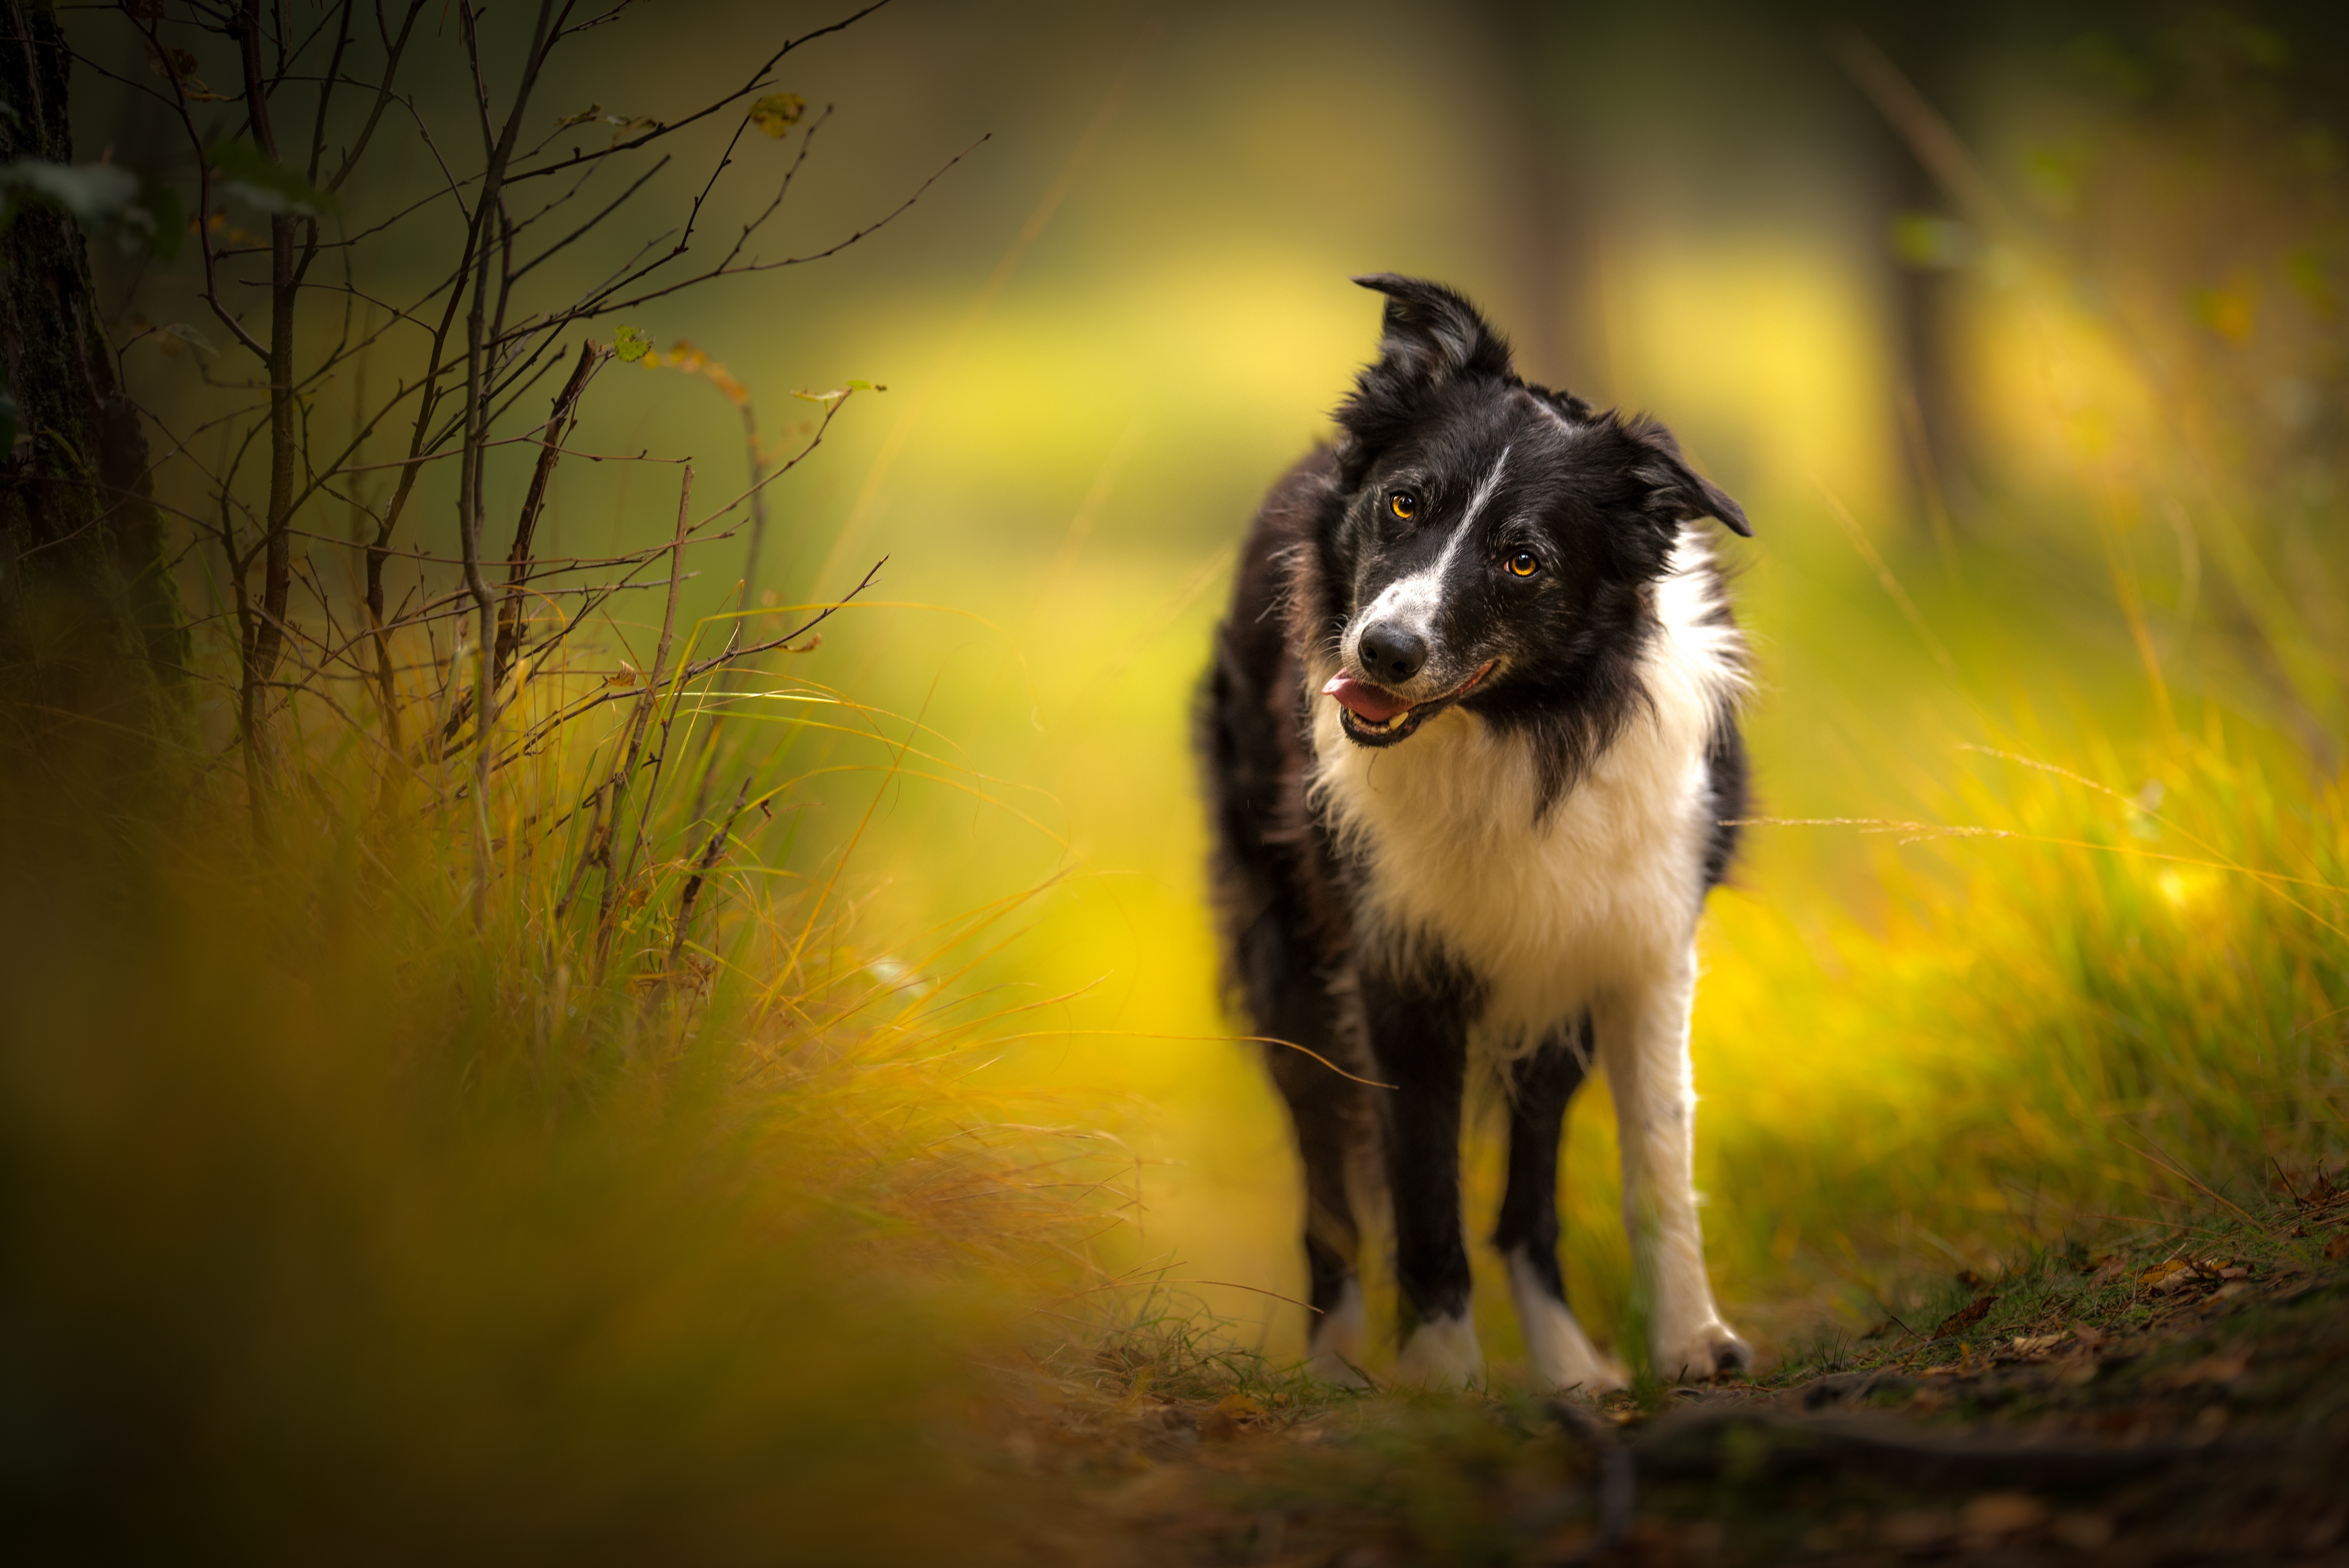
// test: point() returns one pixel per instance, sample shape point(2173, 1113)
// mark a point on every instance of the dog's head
point(1497, 540)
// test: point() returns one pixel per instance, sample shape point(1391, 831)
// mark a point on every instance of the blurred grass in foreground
point(341, 1228)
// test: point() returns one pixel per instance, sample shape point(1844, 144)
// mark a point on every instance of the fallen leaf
point(2167, 1275)
point(1964, 1317)
point(2002, 1514)
point(2033, 1344)
point(1920, 1530)
point(2336, 1249)
point(2224, 1367)
point(2083, 1532)
point(2089, 1336)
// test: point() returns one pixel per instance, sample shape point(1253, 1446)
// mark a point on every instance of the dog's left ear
point(1677, 492)
point(1431, 333)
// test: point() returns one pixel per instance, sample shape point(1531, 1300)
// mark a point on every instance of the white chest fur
point(1605, 890)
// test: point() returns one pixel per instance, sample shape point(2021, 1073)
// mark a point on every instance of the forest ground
point(2163, 1394)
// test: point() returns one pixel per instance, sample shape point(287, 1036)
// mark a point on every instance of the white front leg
point(1644, 1042)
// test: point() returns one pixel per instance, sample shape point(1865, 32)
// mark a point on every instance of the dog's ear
point(1675, 492)
point(1431, 333)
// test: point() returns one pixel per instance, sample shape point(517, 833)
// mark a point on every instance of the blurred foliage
point(336, 1223)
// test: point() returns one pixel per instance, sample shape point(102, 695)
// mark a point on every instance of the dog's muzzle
point(1373, 715)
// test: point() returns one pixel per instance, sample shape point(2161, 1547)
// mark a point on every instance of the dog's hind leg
point(1323, 1112)
point(1289, 1001)
point(1540, 1086)
point(1643, 1042)
point(1418, 1033)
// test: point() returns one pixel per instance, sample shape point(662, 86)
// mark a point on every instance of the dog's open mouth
point(1373, 715)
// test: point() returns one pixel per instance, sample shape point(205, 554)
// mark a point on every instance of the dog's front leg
point(1643, 1042)
point(1417, 1025)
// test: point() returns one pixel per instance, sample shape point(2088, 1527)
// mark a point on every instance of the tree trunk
point(89, 625)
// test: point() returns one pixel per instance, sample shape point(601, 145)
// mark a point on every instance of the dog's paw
point(1600, 1374)
point(1442, 1353)
point(1711, 1351)
point(1562, 1354)
point(1339, 1338)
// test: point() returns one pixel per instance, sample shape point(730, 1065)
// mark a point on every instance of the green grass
point(2071, 1005)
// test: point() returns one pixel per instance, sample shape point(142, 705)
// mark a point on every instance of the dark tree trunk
point(89, 627)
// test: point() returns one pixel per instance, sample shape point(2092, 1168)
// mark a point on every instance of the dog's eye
point(1523, 564)
point(1403, 504)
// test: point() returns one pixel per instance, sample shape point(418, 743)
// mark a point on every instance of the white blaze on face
point(1413, 602)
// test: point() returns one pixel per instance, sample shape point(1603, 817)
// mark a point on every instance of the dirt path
point(2183, 1398)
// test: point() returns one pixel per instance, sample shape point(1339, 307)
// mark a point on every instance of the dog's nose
point(1391, 654)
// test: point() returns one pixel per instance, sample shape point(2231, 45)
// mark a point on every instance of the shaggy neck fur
point(1543, 856)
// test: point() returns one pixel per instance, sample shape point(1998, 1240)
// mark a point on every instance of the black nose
point(1391, 654)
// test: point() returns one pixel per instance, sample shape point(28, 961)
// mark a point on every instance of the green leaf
point(94, 193)
point(191, 337)
point(777, 112)
point(593, 111)
point(837, 393)
point(105, 199)
point(631, 345)
point(260, 181)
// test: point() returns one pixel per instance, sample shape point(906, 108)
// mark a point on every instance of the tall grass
point(2117, 990)
point(348, 1215)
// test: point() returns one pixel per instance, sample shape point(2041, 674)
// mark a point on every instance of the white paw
point(1339, 1338)
point(1442, 1353)
point(1710, 1350)
point(1562, 1354)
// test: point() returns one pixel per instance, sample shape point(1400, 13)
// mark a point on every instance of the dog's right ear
point(1431, 336)
point(1431, 333)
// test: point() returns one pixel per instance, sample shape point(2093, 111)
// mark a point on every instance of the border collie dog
point(1471, 746)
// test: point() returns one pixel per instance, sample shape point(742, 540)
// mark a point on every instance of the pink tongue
point(1366, 701)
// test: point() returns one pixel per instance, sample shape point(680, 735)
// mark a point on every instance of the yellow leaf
point(777, 112)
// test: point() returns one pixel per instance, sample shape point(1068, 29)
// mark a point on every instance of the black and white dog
point(1471, 740)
